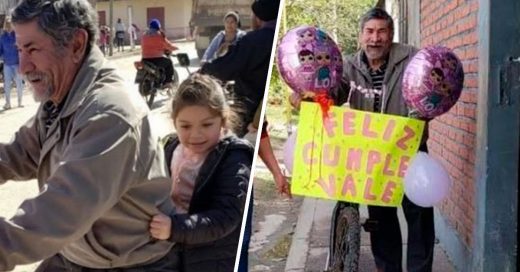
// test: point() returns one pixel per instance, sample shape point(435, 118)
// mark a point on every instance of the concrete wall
point(177, 14)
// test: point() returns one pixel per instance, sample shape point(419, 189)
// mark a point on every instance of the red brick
point(473, 127)
point(468, 139)
point(472, 52)
point(464, 152)
point(474, 6)
point(471, 82)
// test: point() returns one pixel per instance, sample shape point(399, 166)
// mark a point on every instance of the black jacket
point(207, 237)
point(247, 63)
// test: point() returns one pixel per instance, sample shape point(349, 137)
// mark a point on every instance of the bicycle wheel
point(347, 241)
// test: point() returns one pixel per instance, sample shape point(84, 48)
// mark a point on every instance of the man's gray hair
point(376, 13)
point(60, 19)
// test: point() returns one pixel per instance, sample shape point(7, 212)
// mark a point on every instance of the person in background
point(210, 170)
point(120, 35)
point(247, 61)
point(265, 151)
point(154, 47)
point(9, 52)
point(133, 33)
point(221, 42)
point(104, 37)
point(91, 148)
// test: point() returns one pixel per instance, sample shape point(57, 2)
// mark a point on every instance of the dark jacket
point(207, 237)
point(247, 63)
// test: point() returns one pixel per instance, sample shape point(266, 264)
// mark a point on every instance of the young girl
point(210, 173)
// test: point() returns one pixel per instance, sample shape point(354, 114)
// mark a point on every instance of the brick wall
point(453, 23)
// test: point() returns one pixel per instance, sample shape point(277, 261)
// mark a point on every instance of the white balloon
point(426, 182)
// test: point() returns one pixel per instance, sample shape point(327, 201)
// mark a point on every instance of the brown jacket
point(101, 175)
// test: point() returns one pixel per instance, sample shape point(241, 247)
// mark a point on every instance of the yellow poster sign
point(352, 155)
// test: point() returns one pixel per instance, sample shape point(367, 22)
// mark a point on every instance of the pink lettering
point(408, 134)
point(366, 127)
point(368, 195)
point(386, 168)
point(330, 187)
point(388, 192)
point(308, 150)
point(354, 159)
point(389, 130)
point(403, 166)
point(348, 122)
point(374, 157)
point(329, 150)
point(349, 186)
point(330, 123)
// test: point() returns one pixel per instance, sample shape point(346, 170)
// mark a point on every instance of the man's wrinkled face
point(48, 68)
point(376, 39)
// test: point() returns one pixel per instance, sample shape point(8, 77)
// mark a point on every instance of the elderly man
point(90, 146)
point(378, 69)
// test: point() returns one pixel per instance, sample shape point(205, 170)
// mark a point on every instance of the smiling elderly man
point(100, 168)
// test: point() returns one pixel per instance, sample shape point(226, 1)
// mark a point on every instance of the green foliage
point(342, 24)
point(339, 18)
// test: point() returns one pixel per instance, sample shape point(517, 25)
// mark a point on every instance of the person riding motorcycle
point(154, 45)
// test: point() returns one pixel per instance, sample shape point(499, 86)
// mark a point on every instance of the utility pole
point(112, 32)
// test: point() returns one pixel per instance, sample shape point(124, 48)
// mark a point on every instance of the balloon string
point(309, 180)
point(349, 96)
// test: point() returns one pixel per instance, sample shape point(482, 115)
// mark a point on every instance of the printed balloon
point(309, 60)
point(433, 81)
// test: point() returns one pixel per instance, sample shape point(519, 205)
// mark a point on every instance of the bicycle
point(345, 237)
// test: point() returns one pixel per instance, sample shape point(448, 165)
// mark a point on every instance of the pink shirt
point(185, 167)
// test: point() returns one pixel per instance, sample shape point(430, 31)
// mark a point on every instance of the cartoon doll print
point(306, 38)
point(323, 60)
point(307, 61)
point(449, 62)
point(321, 36)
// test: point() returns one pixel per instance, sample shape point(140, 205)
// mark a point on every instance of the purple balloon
point(309, 60)
point(433, 81)
point(288, 152)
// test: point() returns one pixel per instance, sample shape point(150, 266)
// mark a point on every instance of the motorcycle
point(151, 77)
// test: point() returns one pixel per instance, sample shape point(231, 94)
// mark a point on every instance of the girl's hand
point(283, 187)
point(160, 227)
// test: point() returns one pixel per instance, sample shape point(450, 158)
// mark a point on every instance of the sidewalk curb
point(300, 241)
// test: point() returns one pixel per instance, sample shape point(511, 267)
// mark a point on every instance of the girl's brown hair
point(204, 90)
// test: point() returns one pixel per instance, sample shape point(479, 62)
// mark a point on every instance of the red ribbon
point(323, 99)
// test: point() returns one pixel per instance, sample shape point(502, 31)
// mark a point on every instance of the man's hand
point(160, 227)
point(283, 187)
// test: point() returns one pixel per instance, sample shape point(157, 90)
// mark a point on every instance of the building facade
point(174, 15)
point(478, 140)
